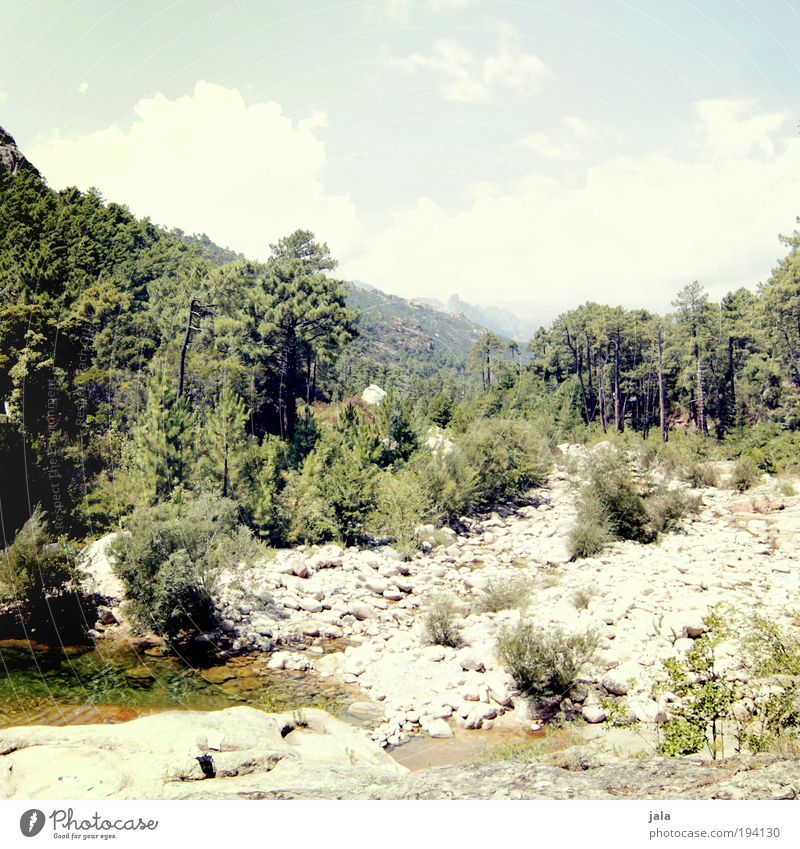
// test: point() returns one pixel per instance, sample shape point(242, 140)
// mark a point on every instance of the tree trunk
point(619, 420)
point(185, 347)
point(601, 379)
point(662, 411)
point(289, 390)
point(701, 400)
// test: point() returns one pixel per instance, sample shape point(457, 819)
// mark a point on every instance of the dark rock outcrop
point(10, 156)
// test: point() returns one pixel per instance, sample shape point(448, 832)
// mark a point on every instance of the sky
point(534, 155)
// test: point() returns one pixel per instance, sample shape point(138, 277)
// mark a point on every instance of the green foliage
point(440, 409)
point(440, 623)
point(164, 439)
point(504, 595)
point(36, 567)
point(448, 484)
point(401, 505)
point(223, 459)
point(745, 475)
point(591, 531)
point(333, 494)
point(544, 662)
point(507, 456)
point(612, 484)
point(169, 557)
point(763, 710)
point(667, 507)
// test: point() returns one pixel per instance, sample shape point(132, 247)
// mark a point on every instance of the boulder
point(373, 394)
point(437, 728)
point(593, 714)
point(620, 680)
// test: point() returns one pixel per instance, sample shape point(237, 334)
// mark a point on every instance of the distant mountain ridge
point(497, 319)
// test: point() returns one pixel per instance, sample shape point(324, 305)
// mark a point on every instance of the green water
point(42, 685)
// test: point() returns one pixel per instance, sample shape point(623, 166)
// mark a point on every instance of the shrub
point(544, 662)
point(36, 567)
point(667, 507)
point(504, 595)
point(401, 505)
point(440, 624)
point(582, 597)
point(611, 483)
point(700, 475)
point(333, 494)
point(746, 474)
point(591, 531)
point(169, 557)
point(769, 711)
point(448, 484)
point(508, 457)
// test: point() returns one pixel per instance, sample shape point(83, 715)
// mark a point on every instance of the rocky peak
point(10, 155)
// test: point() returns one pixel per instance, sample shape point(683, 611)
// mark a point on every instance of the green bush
point(706, 711)
point(612, 484)
point(169, 557)
point(746, 474)
point(35, 568)
point(544, 663)
point(503, 595)
point(447, 482)
point(591, 532)
point(401, 506)
point(440, 624)
point(508, 457)
point(667, 507)
point(701, 475)
point(333, 495)
point(613, 505)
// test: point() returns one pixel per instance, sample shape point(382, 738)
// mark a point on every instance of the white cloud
point(3, 97)
point(83, 87)
point(733, 128)
point(244, 174)
point(571, 144)
point(632, 232)
point(467, 78)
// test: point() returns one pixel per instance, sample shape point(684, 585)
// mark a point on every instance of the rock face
point(314, 756)
point(10, 156)
point(155, 757)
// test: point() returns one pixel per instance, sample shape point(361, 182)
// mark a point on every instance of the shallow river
point(116, 682)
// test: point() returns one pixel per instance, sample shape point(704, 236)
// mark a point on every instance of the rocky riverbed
point(647, 603)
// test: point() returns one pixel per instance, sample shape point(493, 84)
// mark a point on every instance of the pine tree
point(163, 439)
point(224, 442)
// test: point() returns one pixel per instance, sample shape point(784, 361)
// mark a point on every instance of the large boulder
point(373, 394)
point(155, 757)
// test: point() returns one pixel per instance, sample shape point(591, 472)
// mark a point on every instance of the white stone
point(373, 394)
point(620, 680)
point(593, 713)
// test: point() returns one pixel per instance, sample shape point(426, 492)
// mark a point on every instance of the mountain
point(407, 337)
point(498, 319)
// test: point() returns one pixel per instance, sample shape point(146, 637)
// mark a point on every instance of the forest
point(146, 374)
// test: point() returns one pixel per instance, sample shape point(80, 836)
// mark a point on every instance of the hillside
point(407, 339)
